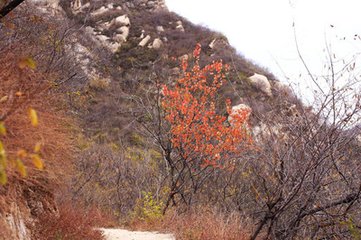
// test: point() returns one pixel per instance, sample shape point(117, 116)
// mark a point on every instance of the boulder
point(261, 82)
point(85, 6)
point(102, 38)
point(144, 41)
point(89, 30)
point(99, 11)
point(239, 109)
point(121, 21)
point(211, 45)
point(105, 25)
point(264, 131)
point(76, 6)
point(179, 26)
point(160, 29)
point(122, 37)
point(157, 43)
point(113, 47)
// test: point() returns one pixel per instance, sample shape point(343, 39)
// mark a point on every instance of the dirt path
point(121, 234)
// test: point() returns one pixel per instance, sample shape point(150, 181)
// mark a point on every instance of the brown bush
point(113, 179)
point(74, 222)
point(198, 224)
point(4, 231)
point(26, 88)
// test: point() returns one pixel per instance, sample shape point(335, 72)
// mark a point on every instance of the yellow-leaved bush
point(148, 208)
point(22, 155)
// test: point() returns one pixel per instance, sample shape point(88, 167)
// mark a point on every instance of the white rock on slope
point(113, 47)
point(104, 26)
point(102, 38)
point(263, 131)
point(157, 43)
point(261, 82)
point(160, 29)
point(211, 45)
point(99, 11)
point(180, 26)
point(144, 41)
point(123, 35)
point(238, 109)
point(121, 21)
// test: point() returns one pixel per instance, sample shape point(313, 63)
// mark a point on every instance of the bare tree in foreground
point(306, 183)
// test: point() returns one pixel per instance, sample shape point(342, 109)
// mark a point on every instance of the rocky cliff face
point(22, 204)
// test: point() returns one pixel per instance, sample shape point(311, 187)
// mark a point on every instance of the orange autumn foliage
point(198, 133)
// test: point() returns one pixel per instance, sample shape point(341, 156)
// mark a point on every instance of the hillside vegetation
point(146, 121)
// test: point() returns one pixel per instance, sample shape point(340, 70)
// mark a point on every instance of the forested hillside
point(120, 113)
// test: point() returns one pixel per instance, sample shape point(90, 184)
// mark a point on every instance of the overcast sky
point(262, 30)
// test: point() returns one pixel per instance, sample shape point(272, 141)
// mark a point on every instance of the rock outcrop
point(179, 26)
point(157, 43)
point(261, 82)
point(239, 109)
point(144, 41)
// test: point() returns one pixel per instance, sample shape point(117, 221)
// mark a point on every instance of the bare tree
point(307, 184)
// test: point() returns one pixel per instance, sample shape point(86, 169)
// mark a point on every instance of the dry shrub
point(4, 231)
point(74, 222)
point(21, 89)
point(202, 224)
point(24, 89)
point(113, 178)
point(99, 83)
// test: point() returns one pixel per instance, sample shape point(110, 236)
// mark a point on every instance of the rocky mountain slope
point(108, 60)
point(130, 43)
point(114, 50)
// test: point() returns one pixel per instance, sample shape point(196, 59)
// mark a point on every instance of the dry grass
point(200, 224)
point(24, 89)
point(4, 231)
point(74, 222)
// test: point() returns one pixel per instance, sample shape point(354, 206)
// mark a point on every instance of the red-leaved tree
point(201, 136)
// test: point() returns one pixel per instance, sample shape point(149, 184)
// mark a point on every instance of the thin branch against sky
point(262, 30)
